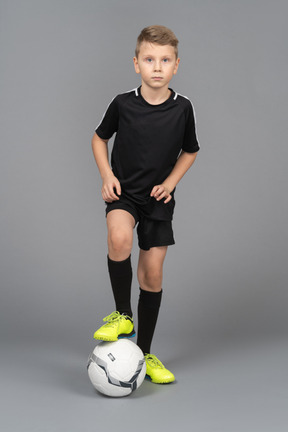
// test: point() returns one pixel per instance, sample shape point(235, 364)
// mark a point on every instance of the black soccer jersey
point(148, 141)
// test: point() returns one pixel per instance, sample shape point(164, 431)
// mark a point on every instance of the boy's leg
point(150, 275)
point(120, 224)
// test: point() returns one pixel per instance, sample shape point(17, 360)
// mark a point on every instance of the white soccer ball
point(116, 368)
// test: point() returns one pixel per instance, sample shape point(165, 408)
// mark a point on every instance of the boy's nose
point(157, 66)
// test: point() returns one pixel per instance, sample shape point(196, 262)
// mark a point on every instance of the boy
point(153, 125)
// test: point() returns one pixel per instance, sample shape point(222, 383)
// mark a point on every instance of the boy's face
point(156, 63)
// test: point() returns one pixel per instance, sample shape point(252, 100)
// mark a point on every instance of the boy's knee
point(150, 279)
point(120, 241)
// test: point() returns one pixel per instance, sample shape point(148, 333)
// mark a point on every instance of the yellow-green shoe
point(156, 371)
point(117, 326)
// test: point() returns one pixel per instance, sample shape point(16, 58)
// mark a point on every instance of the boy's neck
point(155, 96)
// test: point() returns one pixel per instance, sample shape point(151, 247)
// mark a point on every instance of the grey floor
point(229, 387)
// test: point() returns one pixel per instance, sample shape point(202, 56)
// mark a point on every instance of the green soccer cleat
point(117, 326)
point(156, 372)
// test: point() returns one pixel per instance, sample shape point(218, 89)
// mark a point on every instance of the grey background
point(223, 324)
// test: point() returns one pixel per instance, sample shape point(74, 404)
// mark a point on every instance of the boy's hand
point(161, 191)
point(110, 185)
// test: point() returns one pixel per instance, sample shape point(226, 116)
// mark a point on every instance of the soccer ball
point(116, 368)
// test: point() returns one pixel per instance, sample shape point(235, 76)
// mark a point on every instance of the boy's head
point(157, 34)
point(156, 57)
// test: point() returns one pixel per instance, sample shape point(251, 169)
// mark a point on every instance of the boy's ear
point(136, 66)
point(176, 66)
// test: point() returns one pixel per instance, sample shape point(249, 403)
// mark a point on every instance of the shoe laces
point(154, 361)
point(113, 319)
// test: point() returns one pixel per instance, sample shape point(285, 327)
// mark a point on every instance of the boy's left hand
point(161, 191)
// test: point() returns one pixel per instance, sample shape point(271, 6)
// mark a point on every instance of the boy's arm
point(184, 162)
point(100, 151)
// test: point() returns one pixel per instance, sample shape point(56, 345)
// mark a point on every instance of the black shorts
point(151, 232)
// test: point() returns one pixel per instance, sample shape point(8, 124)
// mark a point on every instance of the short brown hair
point(157, 34)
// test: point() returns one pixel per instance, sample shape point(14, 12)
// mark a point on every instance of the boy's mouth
point(157, 78)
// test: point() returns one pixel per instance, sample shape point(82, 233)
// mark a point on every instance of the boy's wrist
point(106, 174)
point(168, 185)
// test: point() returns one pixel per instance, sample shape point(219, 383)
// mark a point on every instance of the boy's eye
point(165, 60)
point(149, 60)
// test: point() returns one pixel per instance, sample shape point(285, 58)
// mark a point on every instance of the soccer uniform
point(148, 141)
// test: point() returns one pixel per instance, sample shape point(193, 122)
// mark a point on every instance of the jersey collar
point(167, 101)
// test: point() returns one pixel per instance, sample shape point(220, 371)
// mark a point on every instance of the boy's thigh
point(119, 219)
point(152, 258)
point(121, 212)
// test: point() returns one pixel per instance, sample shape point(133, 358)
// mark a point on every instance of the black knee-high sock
point(148, 309)
point(120, 273)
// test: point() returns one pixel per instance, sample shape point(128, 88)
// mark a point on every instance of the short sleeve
point(109, 123)
point(190, 142)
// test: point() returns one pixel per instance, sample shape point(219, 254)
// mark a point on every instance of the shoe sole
point(122, 336)
point(128, 336)
point(148, 378)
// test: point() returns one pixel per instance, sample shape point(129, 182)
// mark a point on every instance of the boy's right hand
point(110, 185)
